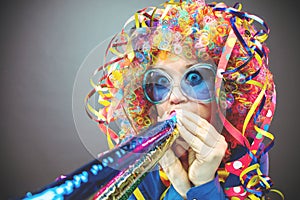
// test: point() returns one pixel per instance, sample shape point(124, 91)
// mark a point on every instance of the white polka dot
point(269, 114)
point(237, 164)
point(219, 73)
point(237, 189)
point(243, 194)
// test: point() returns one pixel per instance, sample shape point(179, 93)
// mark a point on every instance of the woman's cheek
point(162, 111)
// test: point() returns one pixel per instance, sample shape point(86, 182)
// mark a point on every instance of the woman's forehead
point(169, 59)
point(177, 65)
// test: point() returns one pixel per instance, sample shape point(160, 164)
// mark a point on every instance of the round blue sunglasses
point(197, 84)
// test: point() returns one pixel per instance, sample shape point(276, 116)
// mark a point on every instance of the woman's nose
point(176, 96)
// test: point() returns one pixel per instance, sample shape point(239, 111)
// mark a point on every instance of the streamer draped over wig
point(244, 87)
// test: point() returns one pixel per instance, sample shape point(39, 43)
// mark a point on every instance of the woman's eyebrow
point(162, 66)
point(188, 66)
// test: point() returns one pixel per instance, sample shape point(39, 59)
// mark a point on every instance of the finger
point(182, 154)
point(199, 121)
point(182, 145)
point(192, 156)
point(196, 144)
point(203, 133)
point(168, 159)
point(180, 141)
point(175, 172)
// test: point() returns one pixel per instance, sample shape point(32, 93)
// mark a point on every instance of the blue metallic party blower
point(116, 173)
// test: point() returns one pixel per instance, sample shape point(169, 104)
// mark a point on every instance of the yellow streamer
point(258, 58)
point(144, 24)
point(253, 197)
point(262, 38)
point(96, 113)
point(104, 102)
point(278, 192)
point(105, 95)
point(163, 175)
point(109, 141)
point(264, 133)
point(248, 169)
point(97, 87)
point(138, 195)
point(164, 194)
point(254, 106)
point(137, 22)
point(102, 96)
point(152, 17)
point(256, 83)
point(240, 7)
point(223, 174)
point(114, 51)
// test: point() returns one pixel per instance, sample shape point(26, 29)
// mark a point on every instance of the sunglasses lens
point(198, 82)
point(157, 85)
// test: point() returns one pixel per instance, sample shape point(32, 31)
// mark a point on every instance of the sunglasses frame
point(202, 65)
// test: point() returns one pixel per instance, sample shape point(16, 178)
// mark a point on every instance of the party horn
point(117, 172)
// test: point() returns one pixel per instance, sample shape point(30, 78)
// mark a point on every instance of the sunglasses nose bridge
point(176, 95)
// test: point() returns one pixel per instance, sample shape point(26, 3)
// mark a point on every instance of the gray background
point(43, 44)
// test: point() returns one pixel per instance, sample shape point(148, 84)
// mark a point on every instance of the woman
point(208, 63)
point(197, 154)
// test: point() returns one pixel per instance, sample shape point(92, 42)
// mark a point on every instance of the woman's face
point(176, 67)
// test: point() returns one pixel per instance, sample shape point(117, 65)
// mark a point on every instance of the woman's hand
point(197, 164)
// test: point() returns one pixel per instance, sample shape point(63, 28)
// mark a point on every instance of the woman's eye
point(193, 78)
point(162, 80)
